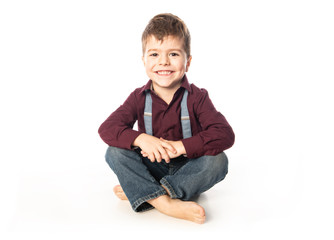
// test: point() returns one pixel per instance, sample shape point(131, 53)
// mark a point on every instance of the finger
point(167, 158)
point(157, 156)
point(144, 154)
point(168, 146)
point(164, 140)
point(151, 157)
point(164, 154)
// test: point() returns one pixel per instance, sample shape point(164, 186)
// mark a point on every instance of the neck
point(165, 94)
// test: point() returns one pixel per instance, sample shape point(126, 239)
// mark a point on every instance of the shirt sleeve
point(117, 130)
point(216, 134)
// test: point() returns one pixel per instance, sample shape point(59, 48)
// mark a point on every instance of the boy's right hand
point(153, 147)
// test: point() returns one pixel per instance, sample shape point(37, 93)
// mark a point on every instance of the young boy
point(177, 153)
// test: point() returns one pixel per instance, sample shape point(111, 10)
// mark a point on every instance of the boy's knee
point(109, 154)
point(223, 160)
point(217, 165)
point(113, 154)
point(119, 155)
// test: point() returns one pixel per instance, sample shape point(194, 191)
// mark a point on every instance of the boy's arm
point(117, 130)
point(216, 135)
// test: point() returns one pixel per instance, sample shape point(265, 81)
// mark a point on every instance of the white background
point(66, 65)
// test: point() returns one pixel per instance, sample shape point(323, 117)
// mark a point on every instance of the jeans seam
point(142, 200)
point(171, 191)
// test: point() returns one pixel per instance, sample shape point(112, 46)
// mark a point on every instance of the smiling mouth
point(164, 73)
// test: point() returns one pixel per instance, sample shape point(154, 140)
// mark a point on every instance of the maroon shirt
point(211, 133)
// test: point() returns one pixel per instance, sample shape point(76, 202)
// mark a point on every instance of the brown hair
point(167, 24)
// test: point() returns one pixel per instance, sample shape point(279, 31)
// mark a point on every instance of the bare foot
point(119, 192)
point(190, 211)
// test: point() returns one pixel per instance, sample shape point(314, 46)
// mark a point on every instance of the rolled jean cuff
point(170, 189)
point(141, 204)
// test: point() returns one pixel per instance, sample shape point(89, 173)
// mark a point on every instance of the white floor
point(255, 202)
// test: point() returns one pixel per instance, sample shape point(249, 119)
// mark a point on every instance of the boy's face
point(165, 62)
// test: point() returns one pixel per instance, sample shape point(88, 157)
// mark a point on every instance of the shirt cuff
point(194, 147)
point(129, 136)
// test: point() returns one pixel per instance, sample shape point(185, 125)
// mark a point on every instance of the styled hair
point(164, 25)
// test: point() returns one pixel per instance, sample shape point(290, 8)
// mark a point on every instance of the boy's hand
point(177, 145)
point(154, 148)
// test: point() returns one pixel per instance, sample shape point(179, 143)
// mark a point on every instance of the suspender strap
point(185, 119)
point(148, 114)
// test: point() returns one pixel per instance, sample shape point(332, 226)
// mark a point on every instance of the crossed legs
point(144, 191)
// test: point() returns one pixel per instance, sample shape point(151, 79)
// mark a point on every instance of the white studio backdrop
point(268, 67)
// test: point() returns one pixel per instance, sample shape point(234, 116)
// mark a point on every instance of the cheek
point(148, 66)
point(182, 66)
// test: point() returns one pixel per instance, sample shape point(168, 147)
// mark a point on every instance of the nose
point(163, 60)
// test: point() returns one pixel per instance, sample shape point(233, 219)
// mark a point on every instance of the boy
point(178, 151)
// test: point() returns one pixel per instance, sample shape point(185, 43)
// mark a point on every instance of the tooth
point(164, 72)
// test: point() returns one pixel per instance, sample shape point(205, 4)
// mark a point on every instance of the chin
point(163, 85)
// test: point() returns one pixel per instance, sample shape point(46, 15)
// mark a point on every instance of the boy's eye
point(154, 55)
point(174, 54)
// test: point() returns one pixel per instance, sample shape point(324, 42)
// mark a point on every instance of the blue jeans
point(184, 178)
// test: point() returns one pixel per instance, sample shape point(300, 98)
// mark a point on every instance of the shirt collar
point(185, 84)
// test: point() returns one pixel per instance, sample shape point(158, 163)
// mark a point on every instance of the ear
point(143, 59)
point(188, 63)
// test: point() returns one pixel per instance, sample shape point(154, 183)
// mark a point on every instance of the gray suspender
point(185, 120)
point(148, 114)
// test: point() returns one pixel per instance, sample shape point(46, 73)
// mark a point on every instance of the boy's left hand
point(178, 146)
